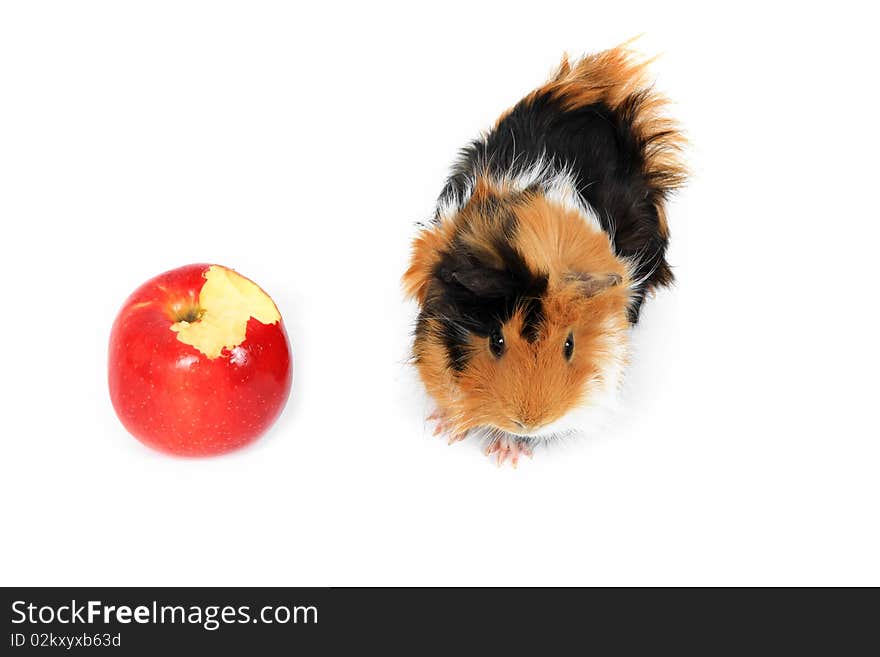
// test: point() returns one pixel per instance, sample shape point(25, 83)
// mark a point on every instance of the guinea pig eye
point(568, 347)
point(496, 343)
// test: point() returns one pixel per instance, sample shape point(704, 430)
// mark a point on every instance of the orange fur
point(425, 253)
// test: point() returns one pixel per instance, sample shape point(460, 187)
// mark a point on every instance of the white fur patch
point(558, 185)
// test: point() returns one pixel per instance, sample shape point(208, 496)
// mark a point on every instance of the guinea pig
point(548, 235)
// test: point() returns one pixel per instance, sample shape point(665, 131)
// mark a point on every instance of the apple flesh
point(199, 361)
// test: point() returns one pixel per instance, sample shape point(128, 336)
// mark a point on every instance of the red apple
point(199, 361)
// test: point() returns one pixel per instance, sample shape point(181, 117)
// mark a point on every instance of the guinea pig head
point(523, 324)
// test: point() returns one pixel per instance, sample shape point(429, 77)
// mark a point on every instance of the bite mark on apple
point(226, 303)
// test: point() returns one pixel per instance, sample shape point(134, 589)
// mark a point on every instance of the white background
point(299, 143)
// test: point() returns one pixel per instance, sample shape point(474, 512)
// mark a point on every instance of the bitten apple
point(199, 361)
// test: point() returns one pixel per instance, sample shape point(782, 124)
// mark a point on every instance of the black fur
point(468, 295)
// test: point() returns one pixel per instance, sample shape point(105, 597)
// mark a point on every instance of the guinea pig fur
point(548, 234)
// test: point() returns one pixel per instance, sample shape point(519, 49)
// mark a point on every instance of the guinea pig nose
point(519, 424)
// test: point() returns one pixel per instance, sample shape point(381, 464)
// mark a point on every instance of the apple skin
point(174, 398)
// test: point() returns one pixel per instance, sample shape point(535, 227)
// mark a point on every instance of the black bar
point(419, 620)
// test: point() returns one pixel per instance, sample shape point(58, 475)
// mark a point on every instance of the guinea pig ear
point(481, 281)
point(591, 284)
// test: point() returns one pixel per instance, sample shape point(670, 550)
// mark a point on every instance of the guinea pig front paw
point(508, 447)
point(442, 428)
